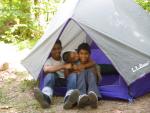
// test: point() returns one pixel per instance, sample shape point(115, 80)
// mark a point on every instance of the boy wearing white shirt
point(54, 68)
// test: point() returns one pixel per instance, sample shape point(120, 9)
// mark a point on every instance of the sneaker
point(71, 100)
point(83, 100)
point(93, 100)
point(43, 99)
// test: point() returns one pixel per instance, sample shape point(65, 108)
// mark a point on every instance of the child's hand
point(78, 68)
point(46, 67)
point(68, 66)
point(75, 67)
point(81, 67)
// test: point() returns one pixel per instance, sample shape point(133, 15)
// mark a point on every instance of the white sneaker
point(43, 99)
point(83, 100)
point(93, 99)
point(71, 99)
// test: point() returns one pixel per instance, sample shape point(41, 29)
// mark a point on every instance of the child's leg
point(44, 97)
point(72, 81)
point(49, 83)
point(72, 93)
point(81, 85)
point(91, 81)
point(93, 92)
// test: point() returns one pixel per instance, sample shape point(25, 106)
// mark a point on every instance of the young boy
point(83, 67)
point(86, 82)
point(73, 58)
point(53, 68)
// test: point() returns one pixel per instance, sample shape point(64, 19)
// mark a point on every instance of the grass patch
point(22, 74)
point(9, 81)
point(28, 84)
point(3, 97)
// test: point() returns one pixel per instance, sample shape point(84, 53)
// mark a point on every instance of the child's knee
point(73, 77)
point(50, 76)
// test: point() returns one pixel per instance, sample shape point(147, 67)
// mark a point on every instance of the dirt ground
point(16, 95)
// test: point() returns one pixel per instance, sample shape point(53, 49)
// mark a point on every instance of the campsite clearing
point(16, 94)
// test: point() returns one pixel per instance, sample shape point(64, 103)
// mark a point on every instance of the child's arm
point(49, 69)
point(97, 72)
point(66, 72)
point(75, 68)
point(89, 64)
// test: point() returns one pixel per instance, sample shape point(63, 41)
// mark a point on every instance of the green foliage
point(144, 3)
point(20, 32)
point(26, 44)
point(20, 20)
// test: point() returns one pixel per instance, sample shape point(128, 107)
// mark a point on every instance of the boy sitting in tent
point(53, 68)
point(87, 73)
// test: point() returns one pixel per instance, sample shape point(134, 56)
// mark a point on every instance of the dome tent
point(118, 32)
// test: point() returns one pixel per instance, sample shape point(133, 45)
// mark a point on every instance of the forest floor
point(16, 92)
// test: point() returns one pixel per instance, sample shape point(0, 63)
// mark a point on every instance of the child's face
point(74, 57)
point(83, 56)
point(56, 51)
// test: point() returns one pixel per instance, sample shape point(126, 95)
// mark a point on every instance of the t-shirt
point(53, 62)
